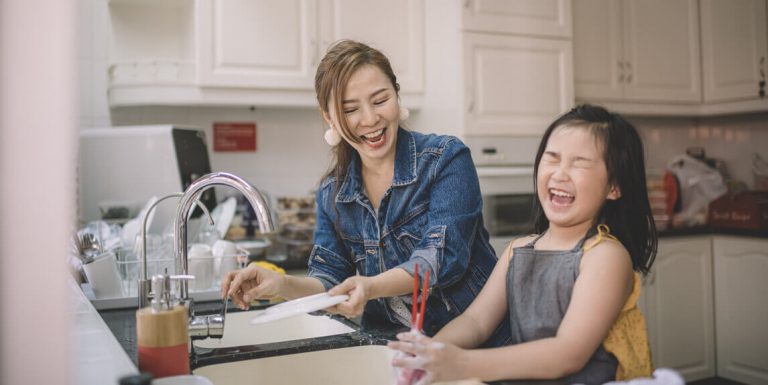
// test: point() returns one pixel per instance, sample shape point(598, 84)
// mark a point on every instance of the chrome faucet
point(259, 203)
point(188, 199)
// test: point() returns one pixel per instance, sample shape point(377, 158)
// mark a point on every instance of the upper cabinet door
point(257, 43)
point(394, 27)
point(733, 43)
point(637, 51)
point(598, 60)
point(525, 17)
point(515, 85)
point(661, 50)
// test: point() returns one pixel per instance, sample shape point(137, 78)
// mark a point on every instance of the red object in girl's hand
point(407, 376)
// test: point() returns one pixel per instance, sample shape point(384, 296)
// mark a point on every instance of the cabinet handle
point(467, 3)
point(471, 105)
point(629, 72)
point(621, 72)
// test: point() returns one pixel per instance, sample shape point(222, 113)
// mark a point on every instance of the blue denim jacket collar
point(405, 168)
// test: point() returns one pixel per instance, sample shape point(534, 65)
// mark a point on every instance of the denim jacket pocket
point(329, 267)
point(360, 263)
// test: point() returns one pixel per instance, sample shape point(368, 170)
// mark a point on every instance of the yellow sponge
point(269, 266)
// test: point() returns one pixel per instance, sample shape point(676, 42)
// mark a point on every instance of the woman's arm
point(603, 285)
point(453, 217)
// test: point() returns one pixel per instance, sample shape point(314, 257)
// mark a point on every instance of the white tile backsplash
point(734, 139)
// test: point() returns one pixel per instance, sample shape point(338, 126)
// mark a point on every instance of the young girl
point(570, 291)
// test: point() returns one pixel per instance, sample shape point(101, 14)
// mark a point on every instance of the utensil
point(298, 306)
point(417, 315)
point(90, 247)
point(406, 376)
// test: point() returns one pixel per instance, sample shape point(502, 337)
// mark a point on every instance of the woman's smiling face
point(372, 113)
point(572, 179)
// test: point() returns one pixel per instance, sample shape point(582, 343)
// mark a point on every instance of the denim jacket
point(431, 216)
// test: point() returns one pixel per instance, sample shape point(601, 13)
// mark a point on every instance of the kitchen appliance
point(131, 164)
point(505, 170)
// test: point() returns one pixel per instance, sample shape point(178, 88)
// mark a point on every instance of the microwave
point(505, 170)
point(130, 164)
point(508, 216)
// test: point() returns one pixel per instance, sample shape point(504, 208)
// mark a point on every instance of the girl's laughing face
point(572, 179)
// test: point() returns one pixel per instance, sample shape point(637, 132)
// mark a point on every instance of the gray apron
point(539, 287)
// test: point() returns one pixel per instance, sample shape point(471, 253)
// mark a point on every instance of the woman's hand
point(440, 360)
point(358, 288)
point(252, 282)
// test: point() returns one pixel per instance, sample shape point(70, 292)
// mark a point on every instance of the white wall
point(37, 163)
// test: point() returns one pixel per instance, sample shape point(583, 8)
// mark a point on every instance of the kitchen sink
point(368, 364)
point(238, 330)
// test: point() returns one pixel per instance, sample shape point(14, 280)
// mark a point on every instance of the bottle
point(161, 331)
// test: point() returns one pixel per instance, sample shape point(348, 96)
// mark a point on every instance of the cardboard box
point(747, 210)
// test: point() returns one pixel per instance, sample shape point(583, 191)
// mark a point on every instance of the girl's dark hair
point(338, 65)
point(628, 217)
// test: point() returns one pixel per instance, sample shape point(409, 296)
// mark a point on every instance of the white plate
point(298, 306)
point(222, 216)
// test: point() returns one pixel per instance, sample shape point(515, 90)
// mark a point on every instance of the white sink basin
point(238, 331)
point(370, 365)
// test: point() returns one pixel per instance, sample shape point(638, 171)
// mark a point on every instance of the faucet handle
point(160, 293)
point(216, 321)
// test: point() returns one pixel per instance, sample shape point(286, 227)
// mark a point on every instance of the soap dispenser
point(161, 331)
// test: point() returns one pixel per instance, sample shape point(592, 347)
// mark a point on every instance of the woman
point(394, 199)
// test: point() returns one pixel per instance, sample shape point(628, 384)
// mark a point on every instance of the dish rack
point(208, 270)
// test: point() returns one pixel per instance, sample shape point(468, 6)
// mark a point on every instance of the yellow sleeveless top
point(628, 338)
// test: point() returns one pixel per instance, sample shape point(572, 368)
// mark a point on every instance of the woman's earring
point(332, 137)
point(404, 113)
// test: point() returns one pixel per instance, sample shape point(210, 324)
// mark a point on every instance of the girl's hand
point(358, 288)
point(252, 282)
point(441, 361)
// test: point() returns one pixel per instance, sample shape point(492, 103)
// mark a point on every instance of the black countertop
point(707, 230)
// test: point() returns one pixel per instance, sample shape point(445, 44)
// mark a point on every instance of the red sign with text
point(234, 137)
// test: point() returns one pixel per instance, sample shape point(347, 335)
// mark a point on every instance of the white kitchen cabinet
point(252, 52)
point(741, 308)
point(677, 302)
point(551, 18)
point(733, 44)
point(515, 85)
point(637, 50)
point(396, 27)
point(256, 43)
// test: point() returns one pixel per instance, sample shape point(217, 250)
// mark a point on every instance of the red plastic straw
point(414, 304)
point(423, 300)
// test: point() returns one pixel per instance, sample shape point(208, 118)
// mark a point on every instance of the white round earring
point(404, 113)
point(332, 137)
